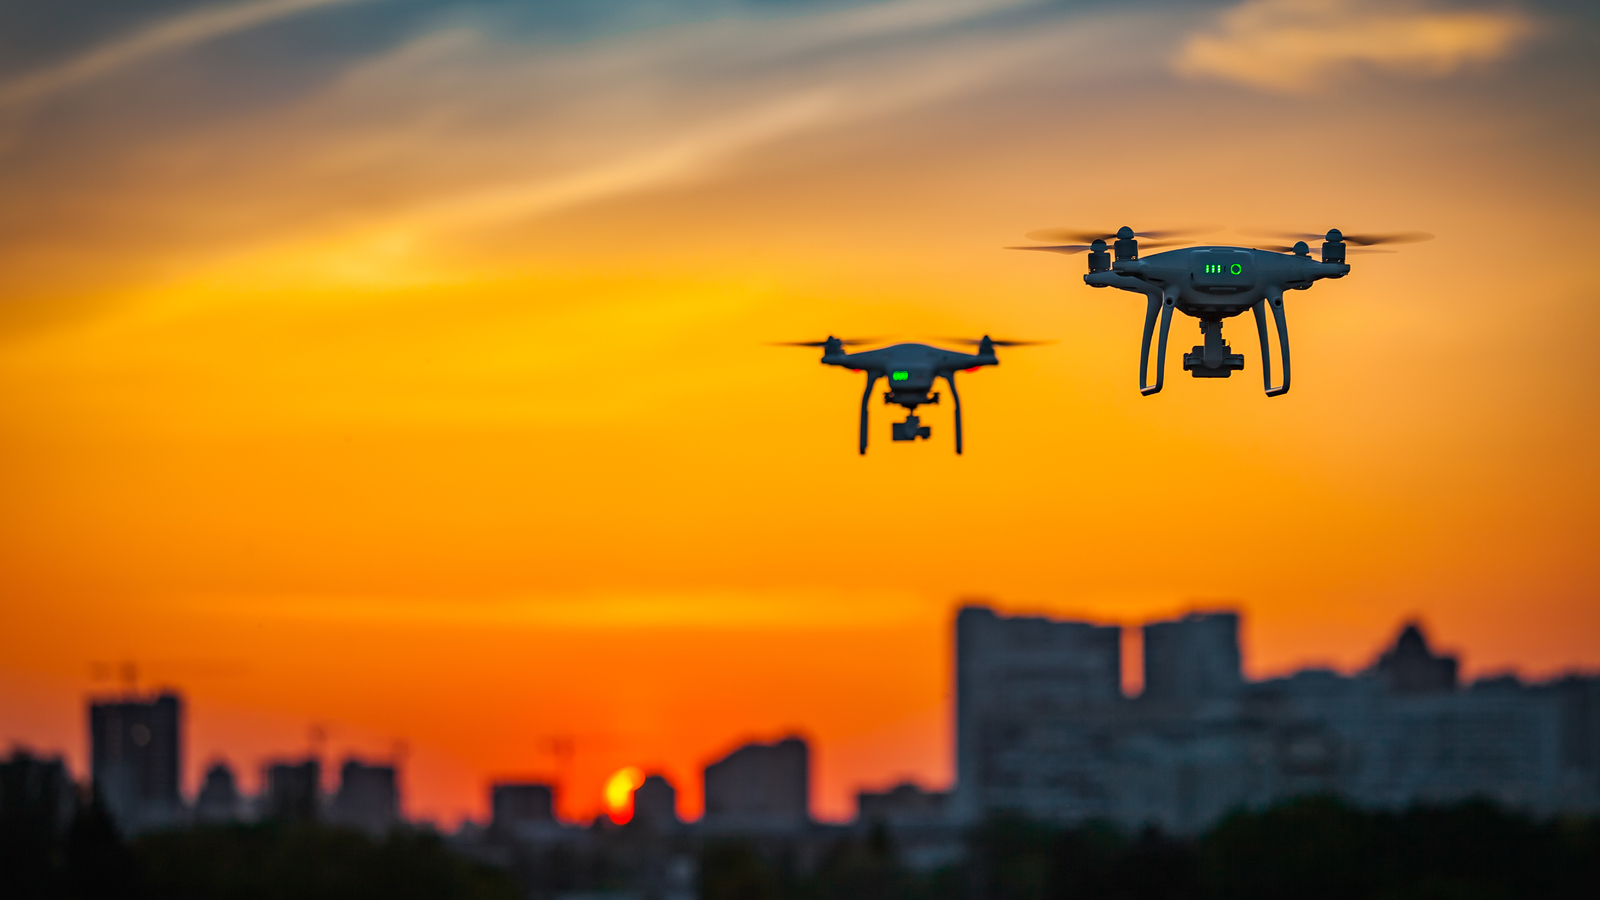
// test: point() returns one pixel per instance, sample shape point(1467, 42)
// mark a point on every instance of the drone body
point(911, 371)
point(1213, 283)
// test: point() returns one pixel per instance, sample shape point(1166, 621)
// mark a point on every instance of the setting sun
point(619, 794)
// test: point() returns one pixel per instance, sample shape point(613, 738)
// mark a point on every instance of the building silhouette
point(760, 787)
point(1193, 658)
point(1041, 729)
point(36, 796)
point(903, 805)
point(1411, 668)
point(293, 791)
point(368, 797)
point(219, 799)
point(522, 809)
point(1013, 671)
point(655, 804)
point(135, 759)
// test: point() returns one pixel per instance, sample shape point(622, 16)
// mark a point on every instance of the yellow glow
point(619, 793)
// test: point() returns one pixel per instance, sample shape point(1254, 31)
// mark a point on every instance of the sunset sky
point(399, 368)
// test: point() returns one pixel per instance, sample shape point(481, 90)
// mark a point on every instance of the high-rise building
point(760, 787)
point(219, 799)
point(655, 803)
point(135, 758)
point(368, 797)
point(1192, 659)
point(1012, 672)
point(293, 790)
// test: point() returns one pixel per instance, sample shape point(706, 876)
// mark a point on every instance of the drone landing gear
point(872, 379)
point(1275, 300)
point(911, 429)
point(1215, 359)
point(1160, 304)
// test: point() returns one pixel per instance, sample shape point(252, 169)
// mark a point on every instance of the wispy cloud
point(176, 33)
point(459, 129)
point(1291, 46)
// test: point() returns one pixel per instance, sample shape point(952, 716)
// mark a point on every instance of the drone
point(1212, 283)
point(911, 370)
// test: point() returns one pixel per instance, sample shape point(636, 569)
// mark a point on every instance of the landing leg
point(1274, 300)
point(872, 378)
point(951, 378)
point(1164, 302)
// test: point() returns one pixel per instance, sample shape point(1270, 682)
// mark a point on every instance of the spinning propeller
point(1167, 237)
point(847, 342)
point(1364, 242)
point(992, 342)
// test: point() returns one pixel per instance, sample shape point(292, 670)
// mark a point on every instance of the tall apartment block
point(136, 759)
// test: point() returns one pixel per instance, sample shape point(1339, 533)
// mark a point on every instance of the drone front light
point(899, 376)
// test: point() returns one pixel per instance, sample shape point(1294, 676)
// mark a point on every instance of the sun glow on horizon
point(619, 793)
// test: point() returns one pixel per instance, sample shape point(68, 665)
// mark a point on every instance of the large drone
point(911, 370)
point(1212, 283)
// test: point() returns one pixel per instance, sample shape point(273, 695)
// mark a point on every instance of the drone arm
point(1275, 298)
point(872, 378)
point(1162, 301)
point(950, 377)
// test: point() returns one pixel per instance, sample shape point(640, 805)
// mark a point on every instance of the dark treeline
point(88, 860)
point(1308, 849)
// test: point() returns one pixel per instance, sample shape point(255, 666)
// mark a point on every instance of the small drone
point(1212, 283)
point(911, 370)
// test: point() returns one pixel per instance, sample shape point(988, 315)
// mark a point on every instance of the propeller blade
point(1402, 237)
point(1079, 248)
point(997, 343)
point(848, 342)
point(1363, 240)
point(1077, 235)
point(1060, 248)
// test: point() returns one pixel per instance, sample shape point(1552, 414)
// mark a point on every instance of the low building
point(293, 791)
point(655, 804)
point(37, 796)
point(522, 811)
point(368, 797)
point(219, 799)
point(918, 822)
point(760, 787)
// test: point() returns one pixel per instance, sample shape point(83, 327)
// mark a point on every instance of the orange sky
point(420, 391)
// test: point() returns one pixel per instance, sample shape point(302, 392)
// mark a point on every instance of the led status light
point(899, 376)
point(1235, 269)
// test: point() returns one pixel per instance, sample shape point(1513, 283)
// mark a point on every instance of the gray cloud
point(183, 30)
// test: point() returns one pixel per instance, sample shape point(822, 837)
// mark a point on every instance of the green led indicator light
point(1213, 268)
point(1236, 268)
point(899, 376)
